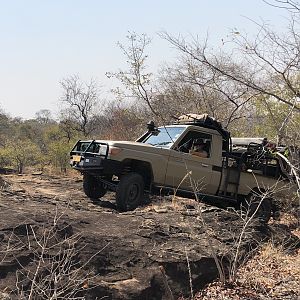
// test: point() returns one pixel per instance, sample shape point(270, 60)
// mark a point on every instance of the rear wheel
point(130, 191)
point(92, 187)
point(260, 208)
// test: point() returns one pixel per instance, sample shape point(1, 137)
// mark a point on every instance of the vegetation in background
point(252, 88)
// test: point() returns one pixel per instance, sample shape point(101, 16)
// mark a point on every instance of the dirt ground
point(64, 190)
point(141, 254)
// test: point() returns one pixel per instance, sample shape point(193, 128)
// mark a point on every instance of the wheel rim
point(133, 193)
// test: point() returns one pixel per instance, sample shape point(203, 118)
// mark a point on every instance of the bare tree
point(136, 80)
point(290, 5)
point(190, 87)
point(130, 123)
point(81, 101)
point(44, 116)
point(264, 67)
point(270, 63)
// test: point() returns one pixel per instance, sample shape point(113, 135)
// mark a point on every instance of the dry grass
point(292, 221)
point(171, 203)
point(272, 273)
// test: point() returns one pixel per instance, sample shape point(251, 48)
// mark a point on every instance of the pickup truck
point(159, 162)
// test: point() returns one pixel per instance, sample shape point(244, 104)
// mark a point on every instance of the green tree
point(58, 146)
point(59, 154)
point(6, 127)
point(21, 153)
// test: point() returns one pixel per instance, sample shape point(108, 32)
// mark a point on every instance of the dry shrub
point(273, 272)
point(4, 184)
point(291, 220)
point(219, 291)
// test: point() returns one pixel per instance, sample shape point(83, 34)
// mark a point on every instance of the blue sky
point(44, 41)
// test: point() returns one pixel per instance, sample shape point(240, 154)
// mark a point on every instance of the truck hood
point(134, 146)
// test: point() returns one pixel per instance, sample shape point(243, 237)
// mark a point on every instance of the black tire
point(130, 191)
point(92, 187)
point(262, 209)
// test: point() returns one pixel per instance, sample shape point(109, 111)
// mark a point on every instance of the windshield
point(164, 137)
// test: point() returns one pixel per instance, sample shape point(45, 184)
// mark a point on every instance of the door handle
point(204, 165)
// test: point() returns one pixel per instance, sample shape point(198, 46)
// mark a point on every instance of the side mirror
point(151, 126)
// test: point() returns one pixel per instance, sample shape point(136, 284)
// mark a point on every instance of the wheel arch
point(144, 168)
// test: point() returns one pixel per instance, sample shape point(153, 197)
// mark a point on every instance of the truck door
point(181, 162)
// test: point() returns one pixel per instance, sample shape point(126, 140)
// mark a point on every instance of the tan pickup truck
point(161, 161)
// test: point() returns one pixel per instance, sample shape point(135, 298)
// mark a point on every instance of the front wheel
point(130, 191)
point(92, 187)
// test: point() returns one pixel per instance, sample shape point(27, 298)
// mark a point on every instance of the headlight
point(111, 150)
point(103, 150)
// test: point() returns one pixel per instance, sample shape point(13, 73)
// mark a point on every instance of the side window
point(194, 138)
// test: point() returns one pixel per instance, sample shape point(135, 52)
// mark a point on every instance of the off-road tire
point(130, 191)
point(92, 187)
point(263, 213)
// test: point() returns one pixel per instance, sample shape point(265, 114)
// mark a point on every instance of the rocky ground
point(55, 242)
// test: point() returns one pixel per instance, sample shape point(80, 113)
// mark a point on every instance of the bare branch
point(81, 100)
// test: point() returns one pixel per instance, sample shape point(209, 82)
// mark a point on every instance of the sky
point(44, 41)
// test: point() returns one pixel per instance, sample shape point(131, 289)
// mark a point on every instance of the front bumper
point(98, 166)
